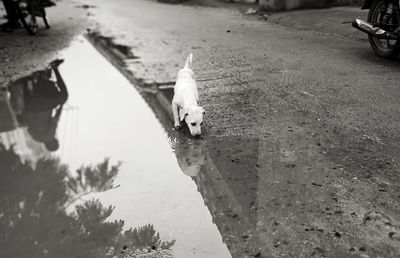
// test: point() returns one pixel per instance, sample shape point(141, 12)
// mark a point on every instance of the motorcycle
point(28, 10)
point(382, 26)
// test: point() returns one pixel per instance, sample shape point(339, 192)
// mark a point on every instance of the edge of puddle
point(152, 93)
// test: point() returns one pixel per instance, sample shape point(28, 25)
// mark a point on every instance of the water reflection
point(228, 184)
point(37, 101)
point(229, 188)
point(44, 207)
point(225, 170)
point(190, 155)
point(30, 111)
point(34, 215)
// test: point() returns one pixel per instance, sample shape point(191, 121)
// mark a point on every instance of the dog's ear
point(183, 113)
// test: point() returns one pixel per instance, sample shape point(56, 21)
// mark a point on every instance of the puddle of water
point(102, 117)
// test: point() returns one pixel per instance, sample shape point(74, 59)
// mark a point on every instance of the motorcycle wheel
point(26, 17)
point(382, 47)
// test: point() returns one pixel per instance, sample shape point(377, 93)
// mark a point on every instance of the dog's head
point(191, 155)
point(193, 117)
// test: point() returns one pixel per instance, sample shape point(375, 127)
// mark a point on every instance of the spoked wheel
point(387, 48)
point(26, 17)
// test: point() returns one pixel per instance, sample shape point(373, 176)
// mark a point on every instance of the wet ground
point(299, 156)
point(122, 182)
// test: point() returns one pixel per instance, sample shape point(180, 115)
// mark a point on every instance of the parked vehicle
point(29, 10)
point(382, 26)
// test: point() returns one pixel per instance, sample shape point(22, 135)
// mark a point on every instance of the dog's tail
point(189, 60)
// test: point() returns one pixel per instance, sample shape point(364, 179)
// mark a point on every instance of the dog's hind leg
point(175, 111)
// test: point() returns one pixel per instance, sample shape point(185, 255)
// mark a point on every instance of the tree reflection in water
point(34, 221)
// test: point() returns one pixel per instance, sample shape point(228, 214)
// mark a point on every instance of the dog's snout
point(195, 131)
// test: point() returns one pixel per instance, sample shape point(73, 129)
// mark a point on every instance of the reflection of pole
point(4, 140)
point(9, 140)
point(22, 142)
point(8, 120)
point(60, 83)
point(76, 150)
point(63, 130)
point(1, 140)
point(68, 132)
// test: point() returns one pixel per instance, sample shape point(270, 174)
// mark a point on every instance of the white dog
point(184, 103)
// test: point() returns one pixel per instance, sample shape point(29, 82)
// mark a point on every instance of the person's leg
point(7, 8)
point(63, 93)
point(61, 85)
point(11, 12)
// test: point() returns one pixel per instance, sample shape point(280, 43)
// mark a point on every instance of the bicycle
point(28, 10)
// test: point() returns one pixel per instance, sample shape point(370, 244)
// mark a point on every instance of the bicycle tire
point(31, 25)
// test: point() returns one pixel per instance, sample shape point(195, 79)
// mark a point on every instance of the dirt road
point(300, 153)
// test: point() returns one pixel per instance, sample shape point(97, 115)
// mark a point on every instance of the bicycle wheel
point(25, 15)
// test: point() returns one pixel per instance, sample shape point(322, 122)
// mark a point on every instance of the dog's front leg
point(175, 111)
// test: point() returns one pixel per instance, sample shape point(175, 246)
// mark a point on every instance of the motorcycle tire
point(392, 49)
point(27, 19)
